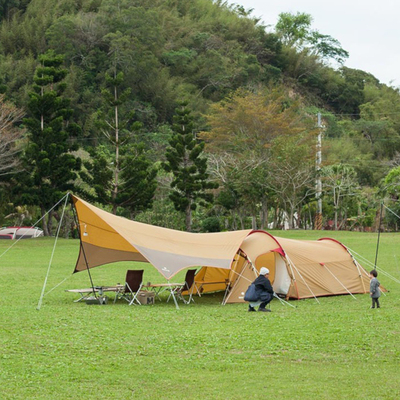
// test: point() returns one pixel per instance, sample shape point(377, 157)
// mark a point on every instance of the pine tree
point(50, 168)
point(190, 184)
point(119, 172)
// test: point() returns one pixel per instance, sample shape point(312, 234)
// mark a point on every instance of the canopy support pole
point(229, 276)
point(52, 254)
point(83, 251)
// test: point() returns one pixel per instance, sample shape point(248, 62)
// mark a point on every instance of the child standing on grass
point(374, 290)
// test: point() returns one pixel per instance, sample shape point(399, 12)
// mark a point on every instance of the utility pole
point(318, 183)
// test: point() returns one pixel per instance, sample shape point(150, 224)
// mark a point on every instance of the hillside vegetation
point(250, 93)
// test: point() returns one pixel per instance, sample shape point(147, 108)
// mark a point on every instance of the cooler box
point(146, 297)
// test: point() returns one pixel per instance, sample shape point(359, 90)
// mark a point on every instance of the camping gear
point(132, 286)
point(146, 297)
point(187, 286)
point(230, 261)
point(298, 268)
point(97, 300)
point(107, 238)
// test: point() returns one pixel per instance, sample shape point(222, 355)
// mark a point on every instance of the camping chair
point(187, 286)
point(133, 283)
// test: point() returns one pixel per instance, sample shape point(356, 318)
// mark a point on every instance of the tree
point(114, 98)
point(120, 173)
point(137, 178)
point(10, 135)
point(340, 181)
point(292, 174)
point(184, 159)
point(295, 30)
point(244, 128)
point(50, 167)
point(391, 183)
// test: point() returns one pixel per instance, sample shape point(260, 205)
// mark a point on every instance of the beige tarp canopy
point(298, 268)
point(106, 238)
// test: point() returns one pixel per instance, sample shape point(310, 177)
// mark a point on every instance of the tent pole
point(226, 296)
point(248, 262)
point(358, 268)
point(83, 250)
point(359, 274)
point(293, 276)
point(379, 233)
point(301, 276)
point(52, 254)
point(229, 276)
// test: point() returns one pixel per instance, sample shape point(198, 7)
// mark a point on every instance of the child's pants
point(375, 301)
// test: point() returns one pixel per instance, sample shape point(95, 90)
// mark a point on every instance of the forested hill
point(207, 53)
point(197, 49)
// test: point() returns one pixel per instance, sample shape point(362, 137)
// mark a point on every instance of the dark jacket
point(264, 288)
point(374, 288)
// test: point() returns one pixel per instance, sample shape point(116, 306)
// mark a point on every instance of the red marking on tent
point(281, 251)
point(334, 240)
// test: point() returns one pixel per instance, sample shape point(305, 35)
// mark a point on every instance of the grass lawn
point(338, 349)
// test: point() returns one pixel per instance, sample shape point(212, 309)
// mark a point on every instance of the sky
point(369, 29)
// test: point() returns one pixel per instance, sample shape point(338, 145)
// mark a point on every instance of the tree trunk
point(291, 218)
point(50, 222)
point(116, 171)
point(241, 220)
point(234, 224)
point(336, 220)
point(264, 215)
point(188, 218)
point(44, 224)
point(276, 212)
point(254, 222)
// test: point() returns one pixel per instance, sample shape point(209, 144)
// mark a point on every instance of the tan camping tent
point(230, 260)
point(298, 268)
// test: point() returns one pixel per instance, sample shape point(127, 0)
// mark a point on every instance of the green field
point(338, 349)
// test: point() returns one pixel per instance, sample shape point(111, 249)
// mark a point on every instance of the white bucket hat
point(264, 271)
